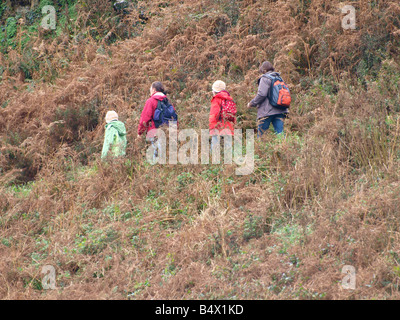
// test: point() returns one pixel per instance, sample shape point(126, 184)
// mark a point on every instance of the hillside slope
point(325, 196)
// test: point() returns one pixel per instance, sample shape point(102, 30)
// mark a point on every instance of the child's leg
point(214, 142)
point(228, 149)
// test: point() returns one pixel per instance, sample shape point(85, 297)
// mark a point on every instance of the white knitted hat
point(218, 86)
point(110, 116)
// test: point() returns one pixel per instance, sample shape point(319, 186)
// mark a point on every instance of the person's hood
point(223, 95)
point(272, 73)
point(119, 126)
point(159, 96)
point(269, 73)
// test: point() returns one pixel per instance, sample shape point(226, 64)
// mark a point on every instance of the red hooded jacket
point(216, 124)
point(146, 122)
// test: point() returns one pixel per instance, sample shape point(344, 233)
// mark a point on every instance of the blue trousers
point(277, 122)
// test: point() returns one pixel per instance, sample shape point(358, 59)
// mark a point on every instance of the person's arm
point(177, 123)
point(214, 113)
point(262, 94)
point(146, 117)
point(108, 140)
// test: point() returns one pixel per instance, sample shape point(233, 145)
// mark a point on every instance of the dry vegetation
point(325, 196)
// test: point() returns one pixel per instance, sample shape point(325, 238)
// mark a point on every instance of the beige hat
point(218, 86)
point(110, 116)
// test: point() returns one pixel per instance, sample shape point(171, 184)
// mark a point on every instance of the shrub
point(254, 227)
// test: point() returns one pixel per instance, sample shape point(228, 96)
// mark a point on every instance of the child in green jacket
point(115, 136)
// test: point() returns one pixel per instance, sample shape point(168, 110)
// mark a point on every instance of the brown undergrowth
point(325, 196)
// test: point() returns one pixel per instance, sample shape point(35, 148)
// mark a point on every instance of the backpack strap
point(273, 79)
point(220, 109)
point(161, 102)
point(272, 83)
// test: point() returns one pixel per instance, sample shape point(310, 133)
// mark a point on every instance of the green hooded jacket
point(114, 139)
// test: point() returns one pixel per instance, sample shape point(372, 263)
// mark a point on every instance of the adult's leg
point(263, 126)
point(278, 122)
point(157, 148)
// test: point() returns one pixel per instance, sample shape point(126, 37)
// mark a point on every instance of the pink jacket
point(146, 122)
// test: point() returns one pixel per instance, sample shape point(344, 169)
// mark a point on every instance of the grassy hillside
point(325, 196)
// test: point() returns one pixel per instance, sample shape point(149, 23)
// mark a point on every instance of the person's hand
point(249, 105)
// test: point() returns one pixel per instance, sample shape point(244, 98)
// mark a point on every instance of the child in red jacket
point(217, 124)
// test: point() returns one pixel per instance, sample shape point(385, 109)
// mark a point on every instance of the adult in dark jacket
point(266, 113)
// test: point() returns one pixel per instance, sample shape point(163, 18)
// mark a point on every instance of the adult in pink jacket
point(146, 122)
